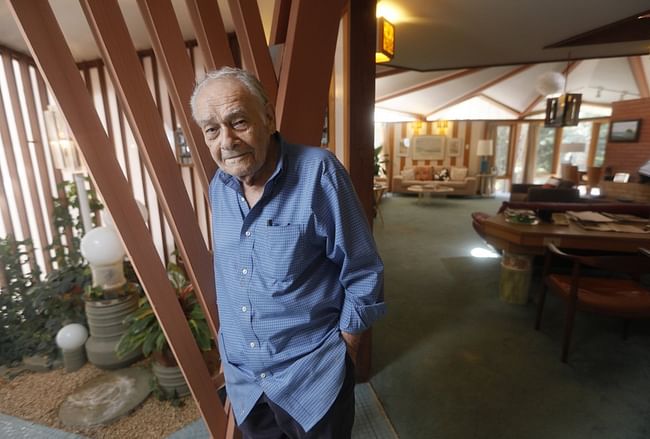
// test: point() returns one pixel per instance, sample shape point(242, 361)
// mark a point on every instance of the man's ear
point(269, 113)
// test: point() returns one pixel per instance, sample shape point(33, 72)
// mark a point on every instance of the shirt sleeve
point(351, 246)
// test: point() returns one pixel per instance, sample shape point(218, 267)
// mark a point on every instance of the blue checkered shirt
point(292, 273)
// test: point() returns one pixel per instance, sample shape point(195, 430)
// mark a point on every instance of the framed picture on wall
point(428, 147)
point(453, 147)
point(403, 147)
point(624, 130)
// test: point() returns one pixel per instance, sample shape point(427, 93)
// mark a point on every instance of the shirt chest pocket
point(281, 250)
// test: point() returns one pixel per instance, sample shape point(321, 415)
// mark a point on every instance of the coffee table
point(430, 191)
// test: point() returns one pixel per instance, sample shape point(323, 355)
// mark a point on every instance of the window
point(520, 154)
point(599, 156)
point(575, 144)
point(544, 154)
point(502, 149)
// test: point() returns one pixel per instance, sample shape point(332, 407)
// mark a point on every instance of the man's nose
point(228, 139)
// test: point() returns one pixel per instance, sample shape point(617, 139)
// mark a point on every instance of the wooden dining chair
point(623, 297)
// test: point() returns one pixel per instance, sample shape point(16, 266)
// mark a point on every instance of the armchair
point(617, 297)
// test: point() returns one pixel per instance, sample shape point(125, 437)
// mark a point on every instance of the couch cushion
point(458, 173)
point(423, 173)
point(408, 173)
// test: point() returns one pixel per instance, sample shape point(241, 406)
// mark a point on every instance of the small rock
point(37, 363)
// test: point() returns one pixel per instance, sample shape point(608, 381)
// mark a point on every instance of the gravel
point(36, 397)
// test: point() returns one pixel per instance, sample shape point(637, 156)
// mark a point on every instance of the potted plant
point(144, 334)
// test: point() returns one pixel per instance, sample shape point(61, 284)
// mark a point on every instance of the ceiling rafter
point(474, 92)
point(500, 104)
point(418, 116)
point(426, 84)
point(384, 71)
point(638, 71)
point(571, 66)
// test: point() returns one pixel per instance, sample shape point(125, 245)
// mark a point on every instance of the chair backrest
point(632, 264)
point(553, 194)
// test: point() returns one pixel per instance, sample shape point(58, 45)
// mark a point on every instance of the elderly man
point(297, 270)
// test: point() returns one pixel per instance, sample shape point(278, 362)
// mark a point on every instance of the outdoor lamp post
point(71, 339)
point(105, 254)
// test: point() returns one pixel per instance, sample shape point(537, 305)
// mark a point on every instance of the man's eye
point(210, 131)
point(241, 123)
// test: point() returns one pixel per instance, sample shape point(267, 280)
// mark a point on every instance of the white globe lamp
point(550, 84)
point(71, 339)
point(105, 254)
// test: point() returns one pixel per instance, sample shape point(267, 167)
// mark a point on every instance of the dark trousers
point(268, 421)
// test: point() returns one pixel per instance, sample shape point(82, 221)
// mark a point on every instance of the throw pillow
point(552, 182)
point(423, 173)
point(408, 174)
point(458, 173)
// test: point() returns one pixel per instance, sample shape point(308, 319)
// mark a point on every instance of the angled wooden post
point(111, 33)
point(54, 59)
point(281, 11)
point(169, 48)
point(306, 69)
point(255, 52)
point(210, 33)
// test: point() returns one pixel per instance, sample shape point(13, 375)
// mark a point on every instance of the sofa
point(454, 177)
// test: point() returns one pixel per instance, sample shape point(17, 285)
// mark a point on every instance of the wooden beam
point(636, 65)
point(210, 33)
point(361, 73)
point(426, 84)
point(252, 42)
point(500, 104)
point(474, 92)
point(12, 166)
point(40, 30)
point(280, 24)
point(41, 163)
point(306, 69)
point(169, 47)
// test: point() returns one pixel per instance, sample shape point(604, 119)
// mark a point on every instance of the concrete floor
point(451, 360)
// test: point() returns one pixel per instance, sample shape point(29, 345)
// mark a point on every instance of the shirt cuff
point(358, 318)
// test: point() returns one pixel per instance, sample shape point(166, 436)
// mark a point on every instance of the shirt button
point(252, 344)
point(248, 233)
point(262, 375)
point(244, 271)
point(244, 309)
point(243, 199)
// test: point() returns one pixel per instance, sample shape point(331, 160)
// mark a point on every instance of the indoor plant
point(145, 334)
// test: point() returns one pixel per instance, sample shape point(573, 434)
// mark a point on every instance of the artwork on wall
point(428, 147)
point(404, 145)
point(453, 147)
point(624, 130)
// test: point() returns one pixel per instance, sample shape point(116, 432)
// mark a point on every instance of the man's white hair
point(244, 77)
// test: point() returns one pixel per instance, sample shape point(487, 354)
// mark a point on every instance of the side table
point(486, 184)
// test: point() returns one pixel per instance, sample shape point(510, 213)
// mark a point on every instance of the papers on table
point(606, 222)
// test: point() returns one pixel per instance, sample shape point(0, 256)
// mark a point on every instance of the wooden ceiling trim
point(210, 33)
point(500, 104)
point(529, 107)
point(170, 51)
point(476, 91)
point(280, 24)
point(40, 30)
point(252, 42)
point(416, 116)
point(638, 71)
point(426, 84)
point(389, 71)
point(306, 69)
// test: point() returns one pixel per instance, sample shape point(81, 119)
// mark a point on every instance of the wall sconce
point(417, 124)
point(484, 150)
point(563, 110)
point(441, 126)
point(385, 49)
point(183, 153)
point(65, 155)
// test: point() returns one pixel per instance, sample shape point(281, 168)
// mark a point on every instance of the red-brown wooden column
point(361, 75)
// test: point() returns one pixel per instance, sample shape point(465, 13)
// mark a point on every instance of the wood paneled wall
point(28, 179)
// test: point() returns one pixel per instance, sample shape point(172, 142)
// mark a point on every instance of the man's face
point(236, 126)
